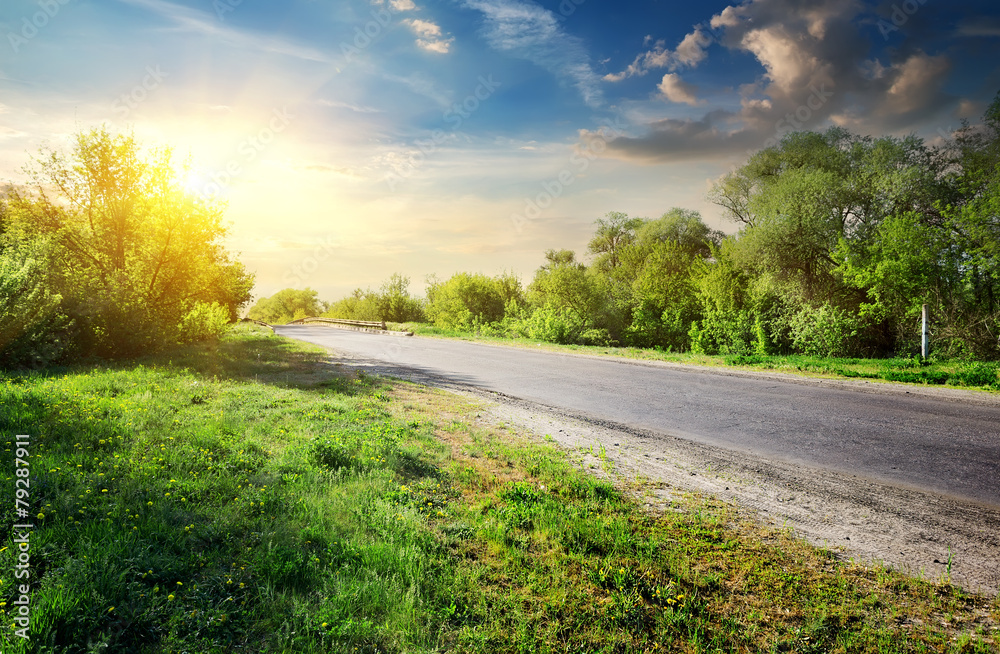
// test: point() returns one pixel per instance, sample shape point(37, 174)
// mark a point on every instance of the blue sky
point(357, 138)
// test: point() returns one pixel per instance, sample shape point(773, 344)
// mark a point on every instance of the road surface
point(941, 444)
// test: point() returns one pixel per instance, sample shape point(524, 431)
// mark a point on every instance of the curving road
point(938, 443)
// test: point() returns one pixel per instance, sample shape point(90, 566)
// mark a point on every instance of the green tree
point(808, 207)
point(394, 303)
point(683, 227)
point(468, 300)
point(614, 231)
point(135, 253)
point(655, 285)
point(564, 283)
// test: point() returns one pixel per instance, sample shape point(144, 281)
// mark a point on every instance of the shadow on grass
point(254, 354)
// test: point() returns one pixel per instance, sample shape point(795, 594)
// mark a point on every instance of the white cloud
point(677, 90)
point(788, 61)
point(441, 46)
point(689, 53)
point(429, 36)
point(915, 80)
point(529, 31)
point(396, 5)
point(424, 28)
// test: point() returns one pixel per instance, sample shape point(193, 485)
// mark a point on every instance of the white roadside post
point(923, 332)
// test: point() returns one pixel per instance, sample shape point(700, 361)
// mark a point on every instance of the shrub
point(548, 323)
point(203, 322)
point(977, 374)
point(466, 300)
point(699, 339)
point(33, 329)
point(601, 337)
point(823, 331)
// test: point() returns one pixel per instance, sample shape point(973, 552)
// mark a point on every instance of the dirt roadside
point(920, 533)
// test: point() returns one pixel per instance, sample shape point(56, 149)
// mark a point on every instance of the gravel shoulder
point(923, 534)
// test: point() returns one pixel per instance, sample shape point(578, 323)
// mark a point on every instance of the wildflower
point(170, 597)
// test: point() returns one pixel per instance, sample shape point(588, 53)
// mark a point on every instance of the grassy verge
point(932, 372)
point(242, 496)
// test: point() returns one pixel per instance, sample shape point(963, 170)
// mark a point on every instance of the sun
point(196, 182)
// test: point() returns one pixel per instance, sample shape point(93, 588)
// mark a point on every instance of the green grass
point(912, 370)
point(244, 496)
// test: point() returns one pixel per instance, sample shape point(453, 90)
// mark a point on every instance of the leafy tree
point(655, 285)
point(135, 252)
point(564, 283)
point(614, 231)
point(467, 301)
point(812, 207)
point(683, 227)
point(394, 302)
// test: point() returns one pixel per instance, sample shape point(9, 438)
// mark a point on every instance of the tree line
point(841, 240)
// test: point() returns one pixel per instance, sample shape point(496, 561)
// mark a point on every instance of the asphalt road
point(937, 444)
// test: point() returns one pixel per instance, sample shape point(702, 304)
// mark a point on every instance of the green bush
point(203, 322)
point(33, 329)
point(552, 325)
point(466, 301)
point(700, 340)
point(977, 374)
point(823, 331)
point(601, 337)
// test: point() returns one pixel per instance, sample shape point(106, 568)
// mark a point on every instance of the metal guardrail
point(256, 322)
point(362, 325)
point(337, 321)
